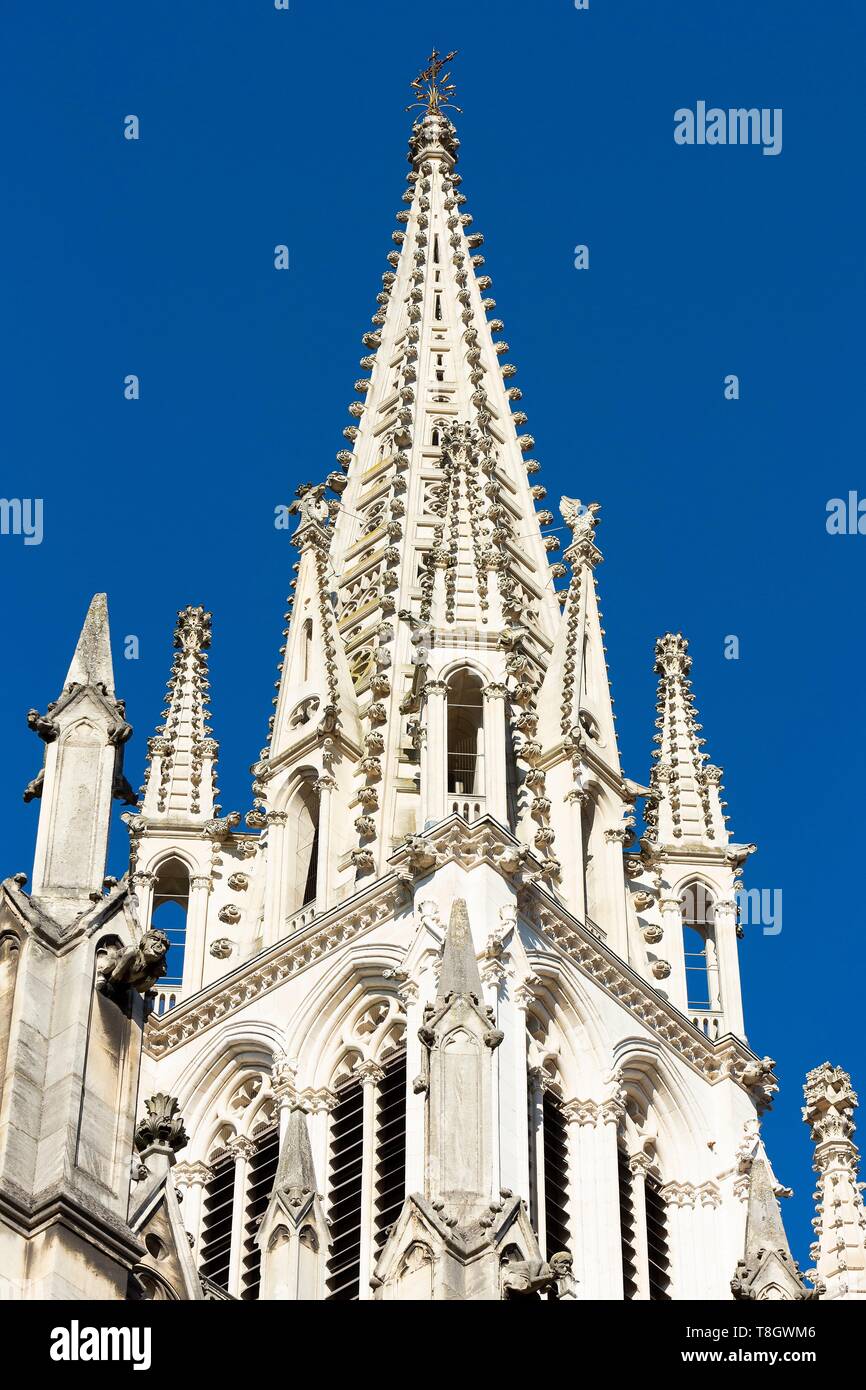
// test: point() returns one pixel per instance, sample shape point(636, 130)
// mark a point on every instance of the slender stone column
point(435, 792)
point(515, 1084)
point(371, 1075)
point(713, 1274)
point(242, 1150)
point(728, 958)
point(495, 789)
point(536, 1140)
point(639, 1164)
point(671, 949)
point(573, 877)
point(325, 787)
point(578, 1115)
point(196, 931)
point(275, 877)
point(284, 1087)
point(610, 1117)
point(409, 995)
point(679, 1199)
point(142, 883)
point(190, 1180)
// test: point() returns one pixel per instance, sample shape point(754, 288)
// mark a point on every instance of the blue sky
point(261, 127)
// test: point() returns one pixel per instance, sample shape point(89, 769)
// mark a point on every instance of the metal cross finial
point(434, 91)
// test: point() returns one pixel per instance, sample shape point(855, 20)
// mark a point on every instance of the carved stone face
point(154, 946)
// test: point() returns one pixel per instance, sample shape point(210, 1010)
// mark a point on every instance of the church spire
point(180, 781)
point(683, 807)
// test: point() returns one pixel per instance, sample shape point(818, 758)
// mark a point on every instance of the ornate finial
point(432, 90)
point(193, 629)
point(162, 1125)
point(672, 655)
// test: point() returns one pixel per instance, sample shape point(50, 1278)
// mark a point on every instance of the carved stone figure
point(137, 967)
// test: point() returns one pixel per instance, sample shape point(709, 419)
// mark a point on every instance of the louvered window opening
point(558, 1235)
point(217, 1213)
point(657, 1243)
point(261, 1172)
point(627, 1228)
point(344, 1189)
point(390, 1176)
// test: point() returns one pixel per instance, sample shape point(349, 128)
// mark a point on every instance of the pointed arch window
point(302, 845)
point(465, 743)
point(699, 949)
point(169, 914)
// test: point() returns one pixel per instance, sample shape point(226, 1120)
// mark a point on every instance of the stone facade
point(431, 1021)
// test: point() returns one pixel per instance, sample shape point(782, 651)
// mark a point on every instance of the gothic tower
point(435, 1021)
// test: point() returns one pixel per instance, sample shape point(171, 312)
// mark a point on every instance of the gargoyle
point(135, 967)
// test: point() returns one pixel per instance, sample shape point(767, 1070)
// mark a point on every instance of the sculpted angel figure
point(582, 520)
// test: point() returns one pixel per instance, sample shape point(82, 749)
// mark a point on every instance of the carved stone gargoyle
point(135, 967)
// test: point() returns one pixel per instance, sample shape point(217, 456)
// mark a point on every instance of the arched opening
point(302, 844)
point(699, 949)
point(169, 913)
point(465, 744)
point(307, 649)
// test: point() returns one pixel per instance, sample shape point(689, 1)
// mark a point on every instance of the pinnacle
point(91, 662)
point(459, 974)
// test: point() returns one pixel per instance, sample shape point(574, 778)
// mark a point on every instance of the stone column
point(610, 1117)
point(538, 1207)
point(190, 1180)
point(275, 877)
point(572, 869)
point(638, 1165)
point(319, 1106)
point(325, 788)
point(515, 1092)
point(495, 788)
point(142, 883)
point(679, 1199)
point(579, 1117)
point(435, 792)
point(196, 929)
point(715, 1281)
point(242, 1150)
point(284, 1087)
point(371, 1075)
point(728, 958)
point(671, 948)
point(409, 995)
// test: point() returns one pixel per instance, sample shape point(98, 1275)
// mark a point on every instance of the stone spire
point(293, 1235)
point(180, 780)
point(84, 731)
point(683, 807)
point(767, 1269)
point(839, 1251)
point(458, 976)
point(436, 542)
point(91, 663)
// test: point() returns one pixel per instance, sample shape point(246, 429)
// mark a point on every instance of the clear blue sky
point(259, 127)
